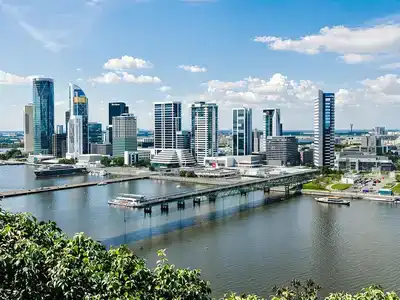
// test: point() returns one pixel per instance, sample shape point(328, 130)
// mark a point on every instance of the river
point(239, 243)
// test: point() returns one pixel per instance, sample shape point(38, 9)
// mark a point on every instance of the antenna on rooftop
point(351, 128)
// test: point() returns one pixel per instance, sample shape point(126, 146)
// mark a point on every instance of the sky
point(254, 53)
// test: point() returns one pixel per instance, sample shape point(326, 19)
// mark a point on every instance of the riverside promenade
point(16, 193)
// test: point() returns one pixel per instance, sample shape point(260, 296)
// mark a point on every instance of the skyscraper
point(324, 129)
point(271, 123)
point(167, 122)
point(183, 139)
point(59, 129)
point(67, 116)
point(124, 134)
point(242, 131)
point(43, 115)
point(59, 144)
point(75, 136)
point(28, 128)
point(115, 109)
point(80, 107)
point(257, 140)
point(204, 141)
point(95, 133)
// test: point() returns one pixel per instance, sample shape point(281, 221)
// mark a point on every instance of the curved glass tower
point(79, 106)
point(43, 115)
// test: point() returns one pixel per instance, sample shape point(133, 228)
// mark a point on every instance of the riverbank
point(350, 195)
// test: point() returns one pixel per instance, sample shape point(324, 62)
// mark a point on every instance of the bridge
point(243, 187)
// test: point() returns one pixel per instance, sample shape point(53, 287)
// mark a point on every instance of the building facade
point(115, 109)
point(282, 150)
point(324, 130)
point(102, 149)
point(371, 144)
point(75, 137)
point(79, 106)
point(28, 128)
point(124, 134)
point(67, 116)
point(242, 131)
point(271, 124)
point(43, 115)
point(204, 139)
point(257, 141)
point(183, 139)
point(60, 129)
point(59, 145)
point(167, 122)
point(95, 133)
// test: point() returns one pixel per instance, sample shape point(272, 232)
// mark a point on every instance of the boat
point(59, 170)
point(380, 199)
point(332, 200)
point(178, 186)
point(102, 183)
point(129, 200)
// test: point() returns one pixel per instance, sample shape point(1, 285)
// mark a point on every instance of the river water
point(239, 243)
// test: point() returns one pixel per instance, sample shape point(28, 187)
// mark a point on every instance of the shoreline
point(350, 195)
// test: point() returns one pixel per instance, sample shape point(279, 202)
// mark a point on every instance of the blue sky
point(257, 53)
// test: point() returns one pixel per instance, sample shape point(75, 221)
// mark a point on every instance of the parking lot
point(369, 185)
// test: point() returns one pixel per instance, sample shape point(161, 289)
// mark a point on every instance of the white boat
point(178, 186)
point(102, 183)
point(129, 200)
point(332, 200)
point(381, 199)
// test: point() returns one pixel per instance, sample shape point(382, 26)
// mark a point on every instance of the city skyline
point(261, 62)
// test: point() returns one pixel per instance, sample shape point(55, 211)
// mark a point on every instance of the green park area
point(340, 186)
point(313, 186)
point(396, 189)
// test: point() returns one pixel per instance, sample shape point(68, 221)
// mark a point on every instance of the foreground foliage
point(38, 261)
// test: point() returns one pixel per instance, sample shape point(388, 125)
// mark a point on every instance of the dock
point(16, 193)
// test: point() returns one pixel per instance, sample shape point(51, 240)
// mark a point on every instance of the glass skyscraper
point(95, 133)
point(124, 134)
point(204, 140)
point(115, 109)
point(241, 131)
point(43, 115)
point(167, 122)
point(324, 130)
point(79, 106)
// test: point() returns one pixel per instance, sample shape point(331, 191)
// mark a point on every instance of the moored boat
point(129, 200)
point(333, 200)
point(59, 170)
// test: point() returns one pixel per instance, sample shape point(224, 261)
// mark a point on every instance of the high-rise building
point(282, 150)
point(183, 139)
point(67, 116)
point(59, 144)
point(257, 141)
point(204, 140)
point(167, 122)
point(103, 149)
point(75, 136)
point(379, 130)
point(372, 144)
point(242, 131)
point(272, 122)
point(59, 129)
point(28, 128)
point(324, 130)
point(43, 115)
point(124, 134)
point(115, 109)
point(95, 133)
point(80, 107)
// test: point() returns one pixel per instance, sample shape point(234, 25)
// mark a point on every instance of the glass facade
point(115, 109)
point(80, 107)
point(43, 115)
point(242, 131)
point(167, 122)
point(124, 134)
point(95, 133)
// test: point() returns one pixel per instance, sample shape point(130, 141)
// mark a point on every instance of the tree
point(105, 161)
point(151, 168)
point(67, 161)
point(182, 173)
point(119, 161)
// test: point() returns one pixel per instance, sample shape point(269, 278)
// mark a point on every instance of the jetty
point(16, 193)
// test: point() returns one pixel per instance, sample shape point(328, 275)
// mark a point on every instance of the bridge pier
point(243, 192)
point(267, 190)
point(147, 210)
point(287, 191)
point(164, 207)
point(212, 197)
point(196, 200)
point(181, 204)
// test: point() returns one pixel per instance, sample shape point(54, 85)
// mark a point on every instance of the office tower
point(257, 140)
point(43, 115)
point(80, 107)
point(242, 131)
point(204, 140)
point(67, 116)
point(75, 136)
point(59, 129)
point(272, 122)
point(324, 130)
point(95, 133)
point(124, 134)
point(115, 109)
point(282, 150)
point(59, 144)
point(167, 122)
point(103, 149)
point(28, 128)
point(371, 144)
point(380, 130)
point(183, 139)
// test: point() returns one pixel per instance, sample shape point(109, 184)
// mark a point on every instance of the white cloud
point(221, 85)
point(391, 66)
point(127, 62)
point(164, 89)
point(354, 44)
point(8, 78)
point(111, 77)
point(193, 68)
point(387, 86)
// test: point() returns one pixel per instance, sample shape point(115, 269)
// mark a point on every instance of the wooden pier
point(16, 193)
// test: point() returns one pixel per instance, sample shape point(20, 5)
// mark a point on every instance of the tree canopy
point(39, 261)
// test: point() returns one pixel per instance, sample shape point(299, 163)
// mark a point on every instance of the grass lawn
point(341, 186)
point(312, 186)
point(389, 185)
point(396, 189)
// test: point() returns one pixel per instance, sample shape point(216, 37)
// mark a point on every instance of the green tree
point(151, 168)
point(119, 161)
point(182, 173)
point(105, 161)
point(67, 161)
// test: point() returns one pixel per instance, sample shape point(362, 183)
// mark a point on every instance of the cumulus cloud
point(9, 79)
point(391, 66)
point(193, 68)
point(111, 77)
point(127, 62)
point(355, 45)
point(164, 89)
